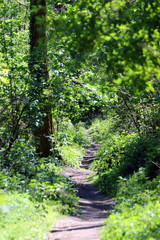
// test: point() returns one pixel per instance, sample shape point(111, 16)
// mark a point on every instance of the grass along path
point(94, 205)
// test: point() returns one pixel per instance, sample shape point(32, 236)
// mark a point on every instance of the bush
point(142, 222)
point(45, 185)
point(80, 137)
point(123, 155)
point(21, 158)
point(69, 134)
point(103, 129)
point(137, 211)
point(137, 189)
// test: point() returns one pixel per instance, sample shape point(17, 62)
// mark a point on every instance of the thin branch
point(83, 85)
point(131, 114)
point(15, 130)
point(155, 164)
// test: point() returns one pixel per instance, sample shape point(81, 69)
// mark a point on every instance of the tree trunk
point(40, 75)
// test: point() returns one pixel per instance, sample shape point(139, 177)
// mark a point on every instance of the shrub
point(142, 222)
point(103, 129)
point(137, 211)
point(21, 158)
point(122, 156)
point(47, 184)
point(69, 134)
point(137, 189)
point(80, 137)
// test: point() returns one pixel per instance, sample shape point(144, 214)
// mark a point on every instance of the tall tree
point(43, 128)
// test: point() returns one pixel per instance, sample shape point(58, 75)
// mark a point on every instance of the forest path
point(94, 205)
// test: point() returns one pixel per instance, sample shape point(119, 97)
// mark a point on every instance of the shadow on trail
point(94, 205)
point(78, 228)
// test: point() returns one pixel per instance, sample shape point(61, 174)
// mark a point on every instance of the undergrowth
point(73, 139)
point(128, 169)
point(22, 218)
point(102, 129)
point(137, 211)
point(122, 154)
point(45, 184)
point(72, 155)
point(69, 134)
point(32, 190)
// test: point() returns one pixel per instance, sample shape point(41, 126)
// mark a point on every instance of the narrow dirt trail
point(94, 205)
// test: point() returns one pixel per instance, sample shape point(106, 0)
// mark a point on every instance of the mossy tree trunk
point(40, 76)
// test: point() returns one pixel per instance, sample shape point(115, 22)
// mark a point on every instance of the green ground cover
point(127, 169)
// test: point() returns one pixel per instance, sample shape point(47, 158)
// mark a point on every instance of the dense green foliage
point(124, 35)
point(136, 215)
point(122, 154)
point(127, 169)
point(99, 77)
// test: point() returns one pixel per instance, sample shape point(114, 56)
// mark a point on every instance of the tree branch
point(23, 4)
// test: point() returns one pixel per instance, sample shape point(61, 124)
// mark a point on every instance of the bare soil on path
point(94, 205)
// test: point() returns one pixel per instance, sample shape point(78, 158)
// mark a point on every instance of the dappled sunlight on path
point(94, 205)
